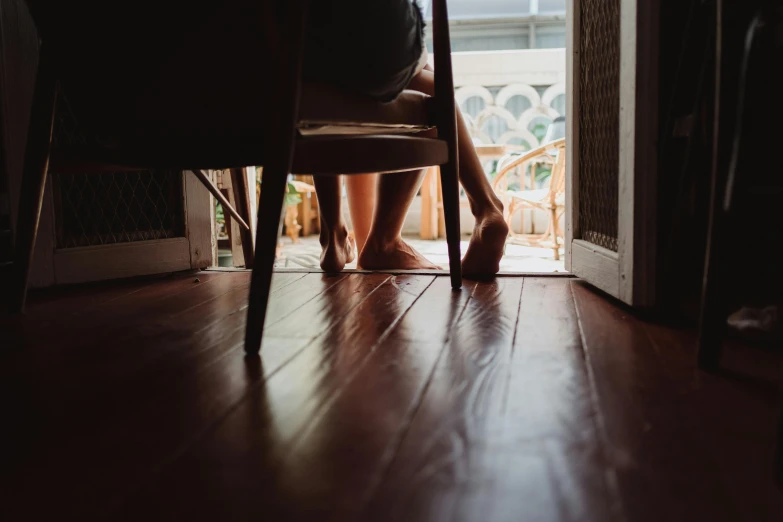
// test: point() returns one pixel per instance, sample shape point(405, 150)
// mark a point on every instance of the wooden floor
point(378, 398)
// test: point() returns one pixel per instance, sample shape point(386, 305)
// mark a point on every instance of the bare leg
point(336, 248)
point(361, 202)
point(385, 248)
point(489, 235)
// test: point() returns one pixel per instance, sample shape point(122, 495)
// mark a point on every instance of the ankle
point(336, 236)
point(490, 213)
point(491, 208)
point(380, 245)
point(339, 231)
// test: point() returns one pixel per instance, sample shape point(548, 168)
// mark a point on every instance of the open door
point(611, 173)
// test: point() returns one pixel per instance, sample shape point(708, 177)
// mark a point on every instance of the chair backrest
point(511, 162)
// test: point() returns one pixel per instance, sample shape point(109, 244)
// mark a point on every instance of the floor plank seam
point(186, 288)
point(152, 358)
point(340, 279)
point(387, 462)
point(307, 342)
point(129, 334)
point(513, 349)
point(329, 400)
point(302, 276)
point(239, 286)
point(184, 448)
point(318, 414)
point(203, 368)
point(240, 344)
point(85, 313)
point(197, 437)
point(126, 295)
point(610, 472)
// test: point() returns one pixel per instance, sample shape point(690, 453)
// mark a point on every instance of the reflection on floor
point(518, 259)
point(377, 398)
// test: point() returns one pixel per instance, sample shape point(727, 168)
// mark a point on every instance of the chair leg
point(36, 166)
point(450, 190)
point(242, 200)
point(203, 177)
point(270, 209)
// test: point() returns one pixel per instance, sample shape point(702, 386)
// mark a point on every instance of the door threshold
point(442, 273)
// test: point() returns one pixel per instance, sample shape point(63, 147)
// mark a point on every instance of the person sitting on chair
point(377, 49)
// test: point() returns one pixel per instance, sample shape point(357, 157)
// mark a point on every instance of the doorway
point(588, 64)
point(509, 60)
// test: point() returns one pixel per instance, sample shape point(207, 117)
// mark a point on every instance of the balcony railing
point(510, 97)
point(507, 98)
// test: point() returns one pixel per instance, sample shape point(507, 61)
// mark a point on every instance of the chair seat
point(325, 110)
point(538, 197)
point(361, 154)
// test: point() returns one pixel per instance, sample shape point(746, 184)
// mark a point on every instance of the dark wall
point(687, 138)
point(686, 90)
point(18, 63)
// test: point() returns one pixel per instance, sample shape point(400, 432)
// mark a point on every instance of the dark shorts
point(371, 47)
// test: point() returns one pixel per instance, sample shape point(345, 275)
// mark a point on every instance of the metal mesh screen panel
point(112, 207)
point(118, 207)
point(599, 113)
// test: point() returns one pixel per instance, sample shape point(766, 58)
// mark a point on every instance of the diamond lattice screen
point(112, 207)
point(599, 113)
point(117, 207)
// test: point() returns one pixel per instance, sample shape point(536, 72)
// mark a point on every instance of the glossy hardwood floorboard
point(377, 397)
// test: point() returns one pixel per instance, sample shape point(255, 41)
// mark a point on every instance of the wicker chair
point(550, 199)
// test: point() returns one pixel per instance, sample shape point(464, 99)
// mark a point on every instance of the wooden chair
point(216, 135)
point(551, 199)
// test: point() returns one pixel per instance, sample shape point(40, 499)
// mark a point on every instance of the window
point(491, 43)
point(551, 6)
point(479, 36)
point(550, 37)
point(475, 9)
point(502, 25)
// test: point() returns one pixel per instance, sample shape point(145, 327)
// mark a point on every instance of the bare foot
point(397, 255)
point(337, 250)
point(486, 246)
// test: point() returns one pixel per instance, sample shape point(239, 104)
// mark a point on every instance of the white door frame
point(629, 273)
